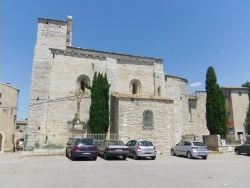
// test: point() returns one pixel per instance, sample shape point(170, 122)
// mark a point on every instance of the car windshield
point(145, 143)
point(113, 143)
point(198, 144)
point(86, 141)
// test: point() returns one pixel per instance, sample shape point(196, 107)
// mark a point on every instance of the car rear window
point(198, 144)
point(113, 143)
point(85, 141)
point(145, 143)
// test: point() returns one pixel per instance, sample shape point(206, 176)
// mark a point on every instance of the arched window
point(148, 119)
point(135, 87)
point(82, 81)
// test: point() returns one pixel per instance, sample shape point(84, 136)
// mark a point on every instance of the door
point(179, 148)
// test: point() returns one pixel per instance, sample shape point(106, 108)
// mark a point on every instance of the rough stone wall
point(8, 112)
point(129, 122)
point(212, 142)
point(176, 88)
point(126, 72)
point(112, 74)
point(197, 115)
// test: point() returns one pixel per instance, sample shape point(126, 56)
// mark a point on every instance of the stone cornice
point(115, 55)
point(70, 52)
point(51, 20)
point(232, 87)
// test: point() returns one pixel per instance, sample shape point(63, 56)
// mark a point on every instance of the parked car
point(190, 149)
point(244, 148)
point(19, 144)
point(113, 148)
point(81, 147)
point(141, 148)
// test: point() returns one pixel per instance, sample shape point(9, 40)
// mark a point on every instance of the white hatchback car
point(190, 149)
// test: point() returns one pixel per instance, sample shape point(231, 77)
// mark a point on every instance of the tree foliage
point(99, 108)
point(247, 84)
point(215, 105)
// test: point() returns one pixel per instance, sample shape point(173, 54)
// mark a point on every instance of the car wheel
point(66, 154)
point(153, 158)
point(124, 157)
point(135, 156)
point(204, 157)
point(172, 152)
point(237, 152)
point(189, 155)
point(72, 156)
point(94, 158)
point(105, 156)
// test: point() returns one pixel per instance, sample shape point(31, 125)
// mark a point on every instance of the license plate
point(119, 150)
point(85, 153)
point(202, 153)
point(148, 153)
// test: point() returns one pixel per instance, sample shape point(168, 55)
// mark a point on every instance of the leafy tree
point(99, 108)
point(215, 105)
point(247, 84)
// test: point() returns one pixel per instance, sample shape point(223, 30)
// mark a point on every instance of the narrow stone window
point(83, 87)
point(135, 87)
point(148, 119)
point(159, 90)
point(190, 112)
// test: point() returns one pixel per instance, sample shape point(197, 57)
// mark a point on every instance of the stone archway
point(1, 140)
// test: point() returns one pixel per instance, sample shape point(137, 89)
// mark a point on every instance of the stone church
point(145, 102)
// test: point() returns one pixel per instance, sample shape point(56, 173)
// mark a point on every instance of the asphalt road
point(219, 170)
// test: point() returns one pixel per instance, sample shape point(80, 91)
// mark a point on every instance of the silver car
point(190, 149)
point(141, 148)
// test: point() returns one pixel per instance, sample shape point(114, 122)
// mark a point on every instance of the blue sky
point(190, 35)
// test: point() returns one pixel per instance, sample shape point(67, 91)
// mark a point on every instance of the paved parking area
point(219, 170)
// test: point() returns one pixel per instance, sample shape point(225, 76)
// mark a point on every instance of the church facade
point(145, 102)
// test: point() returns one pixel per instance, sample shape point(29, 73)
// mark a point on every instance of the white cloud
point(196, 84)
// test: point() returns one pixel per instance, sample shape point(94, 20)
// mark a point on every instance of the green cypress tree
point(247, 84)
point(215, 105)
point(99, 108)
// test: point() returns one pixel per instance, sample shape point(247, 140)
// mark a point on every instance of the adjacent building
point(8, 111)
point(237, 103)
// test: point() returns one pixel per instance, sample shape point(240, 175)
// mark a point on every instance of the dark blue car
point(81, 147)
